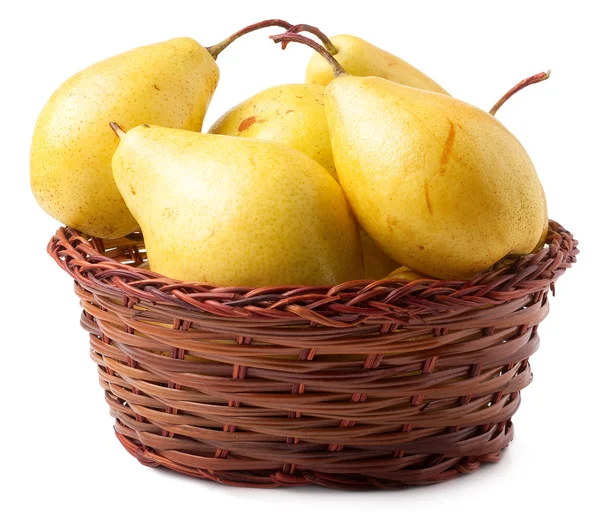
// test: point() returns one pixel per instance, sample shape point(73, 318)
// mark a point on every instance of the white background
point(58, 449)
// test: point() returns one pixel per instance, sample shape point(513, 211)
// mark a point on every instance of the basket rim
point(348, 304)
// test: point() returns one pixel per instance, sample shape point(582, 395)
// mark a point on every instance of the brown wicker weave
point(367, 384)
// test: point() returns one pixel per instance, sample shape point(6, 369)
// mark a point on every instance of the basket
point(369, 384)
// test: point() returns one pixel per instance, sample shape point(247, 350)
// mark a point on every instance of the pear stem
point(292, 37)
point(539, 77)
point(216, 49)
point(303, 27)
point(117, 129)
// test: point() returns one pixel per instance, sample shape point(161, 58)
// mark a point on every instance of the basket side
point(367, 384)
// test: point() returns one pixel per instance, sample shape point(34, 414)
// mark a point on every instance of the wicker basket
point(367, 384)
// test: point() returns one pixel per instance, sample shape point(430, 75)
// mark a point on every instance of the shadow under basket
point(367, 384)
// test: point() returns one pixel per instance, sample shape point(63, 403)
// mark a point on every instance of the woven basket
point(366, 384)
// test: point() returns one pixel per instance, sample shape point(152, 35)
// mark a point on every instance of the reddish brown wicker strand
point(369, 384)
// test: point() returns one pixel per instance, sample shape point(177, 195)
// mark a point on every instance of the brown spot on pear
point(447, 148)
point(246, 123)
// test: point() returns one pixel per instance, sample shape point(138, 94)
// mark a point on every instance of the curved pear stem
point(303, 27)
point(216, 49)
point(535, 79)
point(292, 37)
point(117, 129)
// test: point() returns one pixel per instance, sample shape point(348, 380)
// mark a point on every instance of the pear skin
point(406, 274)
point(440, 185)
point(169, 84)
point(292, 114)
point(361, 58)
point(235, 211)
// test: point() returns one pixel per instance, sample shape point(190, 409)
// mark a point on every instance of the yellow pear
point(235, 211)
point(439, 184)
point(292, 114)
point(360, 58)
point(168, 83)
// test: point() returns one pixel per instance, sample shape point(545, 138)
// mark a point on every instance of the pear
point(292, 114)
point(235, 211)
point(168, 83)
point(440, 185)
point(361, 58)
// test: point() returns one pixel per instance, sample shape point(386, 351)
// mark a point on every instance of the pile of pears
point(366, 170)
